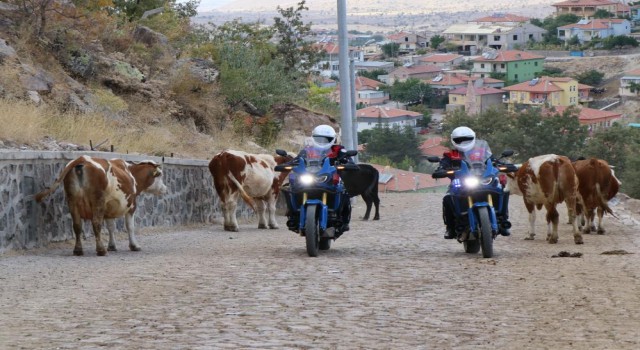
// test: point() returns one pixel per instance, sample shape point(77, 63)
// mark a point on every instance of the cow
point(98, 189)
point(363, 182)
point(547, 180)
point(251, 176)
point(597, 185)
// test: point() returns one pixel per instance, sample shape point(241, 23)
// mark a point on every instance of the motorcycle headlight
point(321, 179)
point(471, 182)
point(486, 181)
point(306, 179)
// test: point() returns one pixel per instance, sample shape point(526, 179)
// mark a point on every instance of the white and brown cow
point(252, 176)
point(98, 189)
point(547, 180)
point(598, 184)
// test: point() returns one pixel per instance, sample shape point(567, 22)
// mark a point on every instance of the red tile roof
point(589, 115)
point(429, 68)
point(405, 181)
point(544, 84)
point(594, 24)
point(633, 72)
point(572, 3)
point(385, 112)
point(432, 147)
point(483, 90)
point(510, 56)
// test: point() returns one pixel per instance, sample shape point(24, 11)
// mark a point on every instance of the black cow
point(363, 182)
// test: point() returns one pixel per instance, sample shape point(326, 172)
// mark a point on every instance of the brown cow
point(598, 184)
point(252, 176)
point(98, 189)
point(547, 180)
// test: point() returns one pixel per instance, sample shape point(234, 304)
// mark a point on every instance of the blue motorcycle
point(316, 198)
point(477, 195)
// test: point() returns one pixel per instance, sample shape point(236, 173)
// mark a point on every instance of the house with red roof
point(515, 64)
point(453, 80)
point(398, 180)
point(586, 30)
point(433, 147)
point(368, 92)
point(408, 42)
point(475, 99)
point(594, 118)
point(442, 60)
point(329, 64)
point(404, 73)
point(369, 117)
point(627, 82)
point(587, 8)
point(547, 92)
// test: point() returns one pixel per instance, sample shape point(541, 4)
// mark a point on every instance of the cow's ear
point(156, 172)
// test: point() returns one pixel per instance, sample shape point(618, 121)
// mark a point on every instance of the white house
point(369, 117)
point(588, 29)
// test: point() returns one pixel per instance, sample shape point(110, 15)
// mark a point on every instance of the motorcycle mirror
point(433, 159)
point(281, 152)
point(507, 153)
point(352, 153)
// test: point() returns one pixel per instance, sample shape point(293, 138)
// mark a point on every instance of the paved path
point(390, 284)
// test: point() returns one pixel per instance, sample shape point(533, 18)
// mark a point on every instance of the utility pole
point(354, 116)
point(345, 79)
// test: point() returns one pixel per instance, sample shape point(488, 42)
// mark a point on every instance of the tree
point(373, 74)
point(393, 142)
point(298, 55)
point(602, 13)
point(390, 49)
point(590, 77)
point(634, 87)
point(436, 40)
point(410, 91)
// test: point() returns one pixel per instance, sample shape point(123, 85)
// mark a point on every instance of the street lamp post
point(345, 79)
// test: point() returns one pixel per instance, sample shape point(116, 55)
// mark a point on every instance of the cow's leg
point(376, 203)
point(600, 229)
point(77, 230)
point(130, 224)
point(552, 220)
point(532, 220)
point(271, 207)
point(369, 202)
point(592, 219)
point(229, 207)
point(261, 207)
point(577, 234)
point(111, 227)
point(96, 222)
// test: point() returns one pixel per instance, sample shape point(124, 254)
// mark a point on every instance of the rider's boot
point(450, 233)
point(504, 225)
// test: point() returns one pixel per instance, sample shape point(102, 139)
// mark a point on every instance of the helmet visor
point(462, 139)
point(322, 140)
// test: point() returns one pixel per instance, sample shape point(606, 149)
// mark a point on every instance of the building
point(587, 8)
point(475, 100)
point(472, 38)
point(546, 92)
point(448, 81)
point(595, 119)
point(404, 73)
point(629, 80)
point(409, 42)
point(586, 30)
point(368, 92)
point(516, 65)
point(442, 60)
point(369, 66)
point(369, 117)
point(501, 18)
point(329, 64)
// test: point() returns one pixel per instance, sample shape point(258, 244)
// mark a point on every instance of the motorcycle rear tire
point(486, 237)
point(312, 230)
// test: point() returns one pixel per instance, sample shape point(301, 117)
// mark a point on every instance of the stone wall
point(26, 224)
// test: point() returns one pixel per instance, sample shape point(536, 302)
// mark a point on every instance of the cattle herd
point(102, 190)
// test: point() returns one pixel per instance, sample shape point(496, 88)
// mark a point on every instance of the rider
point(323, 139)
point(466, 146)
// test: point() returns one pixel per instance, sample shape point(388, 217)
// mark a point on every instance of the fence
point(26, 224)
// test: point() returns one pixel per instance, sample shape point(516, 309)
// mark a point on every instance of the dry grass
point(21, 122)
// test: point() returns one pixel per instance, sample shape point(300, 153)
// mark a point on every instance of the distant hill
point(381, 15)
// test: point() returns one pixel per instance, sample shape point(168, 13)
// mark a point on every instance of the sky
point(208, 5)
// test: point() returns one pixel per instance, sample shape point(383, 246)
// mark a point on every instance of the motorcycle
point(316, 197)
point(476, 191)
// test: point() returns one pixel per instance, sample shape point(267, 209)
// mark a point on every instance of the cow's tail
point(244, 194)
point(39, 197)
point(604, 204)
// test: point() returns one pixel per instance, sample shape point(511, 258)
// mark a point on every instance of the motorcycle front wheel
point(486, 237)
point(311, 230)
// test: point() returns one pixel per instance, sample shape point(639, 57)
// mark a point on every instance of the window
point(535, 63)
point(406, 38)
point(530, 36)
point(515, 37)
point(515, 65)
point(496, 37)
point(481, 65)
point(502, 65)
point(515, 76)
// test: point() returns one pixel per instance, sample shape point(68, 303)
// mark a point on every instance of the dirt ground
point(389, 284)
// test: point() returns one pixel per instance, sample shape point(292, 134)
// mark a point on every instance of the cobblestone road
point(391, 284)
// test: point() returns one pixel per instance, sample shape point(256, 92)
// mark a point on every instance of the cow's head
point(148, 175)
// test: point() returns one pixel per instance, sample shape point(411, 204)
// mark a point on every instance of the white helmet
point(323, 137)
point(463, 138)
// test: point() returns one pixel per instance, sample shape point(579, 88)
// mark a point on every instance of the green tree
point(410, 91)
point(634, 87)
point(619, 41)
point(436, 40)
point(393, 142)
point(602, 13)
point(298, 55)
point(373, 74)
point(590, 77)
point(390, 49)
